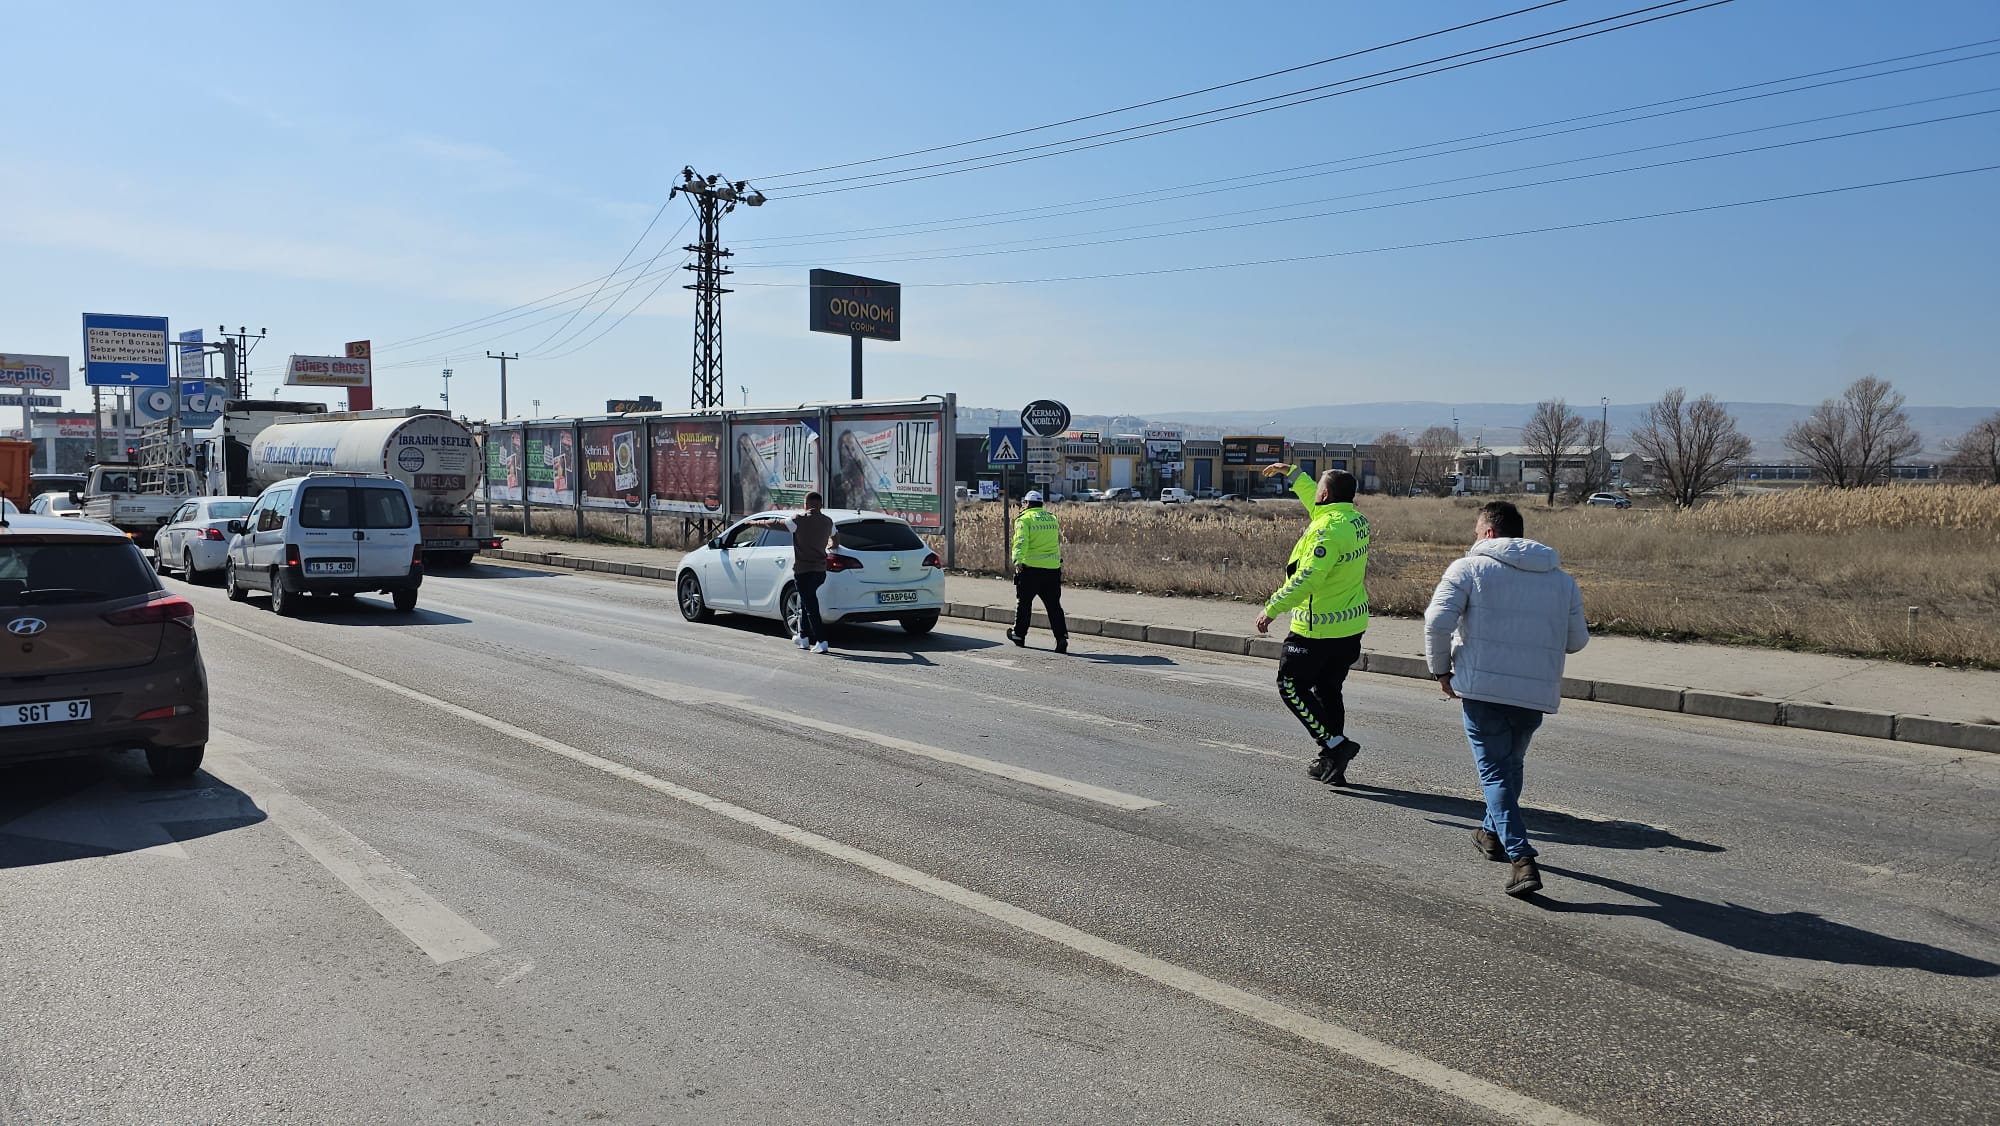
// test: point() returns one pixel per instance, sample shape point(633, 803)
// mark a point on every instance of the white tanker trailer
point(430, 451)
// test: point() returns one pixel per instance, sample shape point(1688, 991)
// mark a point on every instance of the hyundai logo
point(26, 627)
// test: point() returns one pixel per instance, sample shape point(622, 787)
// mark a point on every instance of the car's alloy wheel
point(693, 606)
point(229, 583)
point(187, 566)
point(795, 615)
point(282, 601)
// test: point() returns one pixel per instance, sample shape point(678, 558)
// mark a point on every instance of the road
point(545, 852)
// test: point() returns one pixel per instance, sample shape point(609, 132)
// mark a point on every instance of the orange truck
point(16, 465)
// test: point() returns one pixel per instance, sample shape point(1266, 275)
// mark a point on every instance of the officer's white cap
point(1034, 496)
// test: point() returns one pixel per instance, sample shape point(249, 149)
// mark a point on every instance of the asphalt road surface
point(544, 852)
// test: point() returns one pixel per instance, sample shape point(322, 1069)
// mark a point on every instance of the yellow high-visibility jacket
point(1038, 539)
point(1325, 590)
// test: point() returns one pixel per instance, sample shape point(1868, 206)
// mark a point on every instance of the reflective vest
point(1037, 539)
point(1324, 589)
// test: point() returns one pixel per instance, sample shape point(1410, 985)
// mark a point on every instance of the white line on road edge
point(1055, 783)
point(1479, 1092)
point(435, 929)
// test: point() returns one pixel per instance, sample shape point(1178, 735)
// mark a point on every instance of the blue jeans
point(809, 583)
point(1499, 735)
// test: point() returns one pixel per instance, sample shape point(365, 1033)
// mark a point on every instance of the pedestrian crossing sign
point(1004, 446)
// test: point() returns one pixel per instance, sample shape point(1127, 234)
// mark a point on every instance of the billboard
point(686, 465)
point(505, 465)
point(1163, 445)
point(1253, 450)
point(34, 373)
point(776, 462)
point(329, 371)
point(611, 466)
point(201, 404)
point(855, 306)
point(551, 465)
point(892, 464)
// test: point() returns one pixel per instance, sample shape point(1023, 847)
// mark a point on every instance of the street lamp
point(446, 396)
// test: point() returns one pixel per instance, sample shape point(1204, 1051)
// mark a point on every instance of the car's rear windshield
point(228, 509)
point(48, 572)
point(878, 535)
point(349, 506)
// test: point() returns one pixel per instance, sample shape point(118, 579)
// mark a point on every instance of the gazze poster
point(611, 466)
point(889, 463)
point(551, 463)
point(504, 465)
point(687, 466)
point(777, 464)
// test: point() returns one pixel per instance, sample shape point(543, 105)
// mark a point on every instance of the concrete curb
point(1928, 730)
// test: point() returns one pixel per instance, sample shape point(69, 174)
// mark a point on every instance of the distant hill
point(1495, 424)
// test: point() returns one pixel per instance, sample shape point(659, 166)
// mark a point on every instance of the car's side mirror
point(237, 527)
point(715, 544)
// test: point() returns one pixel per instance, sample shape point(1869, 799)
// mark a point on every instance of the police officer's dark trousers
point(1044, 583)
point(1310, 673)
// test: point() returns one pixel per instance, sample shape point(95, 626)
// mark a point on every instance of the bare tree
point(1694, 447)
point(1395, 463)
point(1437, 455)
point(1552, 435)
point(1975, 454)
point(1856, 440)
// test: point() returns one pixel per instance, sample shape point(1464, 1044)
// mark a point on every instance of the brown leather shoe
point(1488, 845)
point(1525, 878)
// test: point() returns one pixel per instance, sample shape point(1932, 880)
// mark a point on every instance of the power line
point(667, 276)
point(977, 251)
point(1035, 154)
point(540, 350)
point(1432, 243)
point(1162, 101)
point(636, 243)
point(1029, 214)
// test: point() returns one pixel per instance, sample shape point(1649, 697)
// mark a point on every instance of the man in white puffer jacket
point(1498, 628)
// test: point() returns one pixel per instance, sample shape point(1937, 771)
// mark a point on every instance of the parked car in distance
point(1176, 496)
point(64, 483)
point(97, 656)
point(878, 570)
point(1208, 494)
point(1236, 498)
point(1611, 499)
point(56, 504)
point(327, 534)
point(195, 540)
point(1122, 494)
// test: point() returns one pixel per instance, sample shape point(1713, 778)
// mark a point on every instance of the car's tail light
point(932, 560)
point(417, 556)
point(292, 559)
point(211, 533)
point(167, 713)
point(842, 562)
point(492, 545)
point(162, 609)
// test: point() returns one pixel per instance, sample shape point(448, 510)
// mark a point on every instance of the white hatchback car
point(57, 504)
point(878, 570)
point(195, 539)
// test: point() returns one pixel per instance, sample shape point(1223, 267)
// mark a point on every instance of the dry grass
point(1810, 568)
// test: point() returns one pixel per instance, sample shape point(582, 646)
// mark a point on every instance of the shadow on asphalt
point(854, 640)
point(365, 611)
point(484, 570)
point(1786, 934)
point(1125, 658)
point(76, 809)
point(1543, 824)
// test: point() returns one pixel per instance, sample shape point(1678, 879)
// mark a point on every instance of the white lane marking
point(1008, 663)
point(432, 927)
point(1246, 749)
point(520, 972)
point(1054, 783)
point(1481, 1093)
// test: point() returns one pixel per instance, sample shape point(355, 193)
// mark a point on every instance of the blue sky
point(390, 171)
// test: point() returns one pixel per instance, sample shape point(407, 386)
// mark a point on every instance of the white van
point(328, 534)
point(1176, 496)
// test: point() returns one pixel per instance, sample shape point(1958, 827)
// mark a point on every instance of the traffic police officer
point(1324, 591)
point(1038, 571)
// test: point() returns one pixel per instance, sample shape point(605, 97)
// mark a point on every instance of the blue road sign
point(1004, 446)
point(120, 351)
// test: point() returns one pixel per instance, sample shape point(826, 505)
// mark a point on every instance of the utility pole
point(538, 408)
point(447, 391)
point(712, 197)
point(503, 358)
point(236, 360)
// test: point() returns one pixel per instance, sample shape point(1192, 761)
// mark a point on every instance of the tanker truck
point(430, 451)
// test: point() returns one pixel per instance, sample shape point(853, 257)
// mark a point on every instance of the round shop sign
point(411, 459)
point(1045, 418)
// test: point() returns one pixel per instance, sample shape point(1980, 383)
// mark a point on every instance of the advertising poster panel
point(687, 466)
point(551, 466)
point(1252, 450)
point(505, 466)
point(611, 465)
point(777, 463)
point(892, 464)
